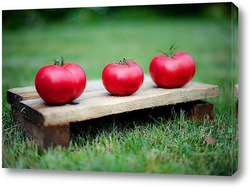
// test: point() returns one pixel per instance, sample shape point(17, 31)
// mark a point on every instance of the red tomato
point(122, 78)
point(60, 84)
point(172, 71)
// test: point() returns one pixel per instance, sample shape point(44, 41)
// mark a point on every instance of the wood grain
point(50, 125)
point(96, 102)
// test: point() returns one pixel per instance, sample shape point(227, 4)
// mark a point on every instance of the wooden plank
point(56, 136)
point(16, 95)
point(46, 137)
point(50, 125)
point(98, 102)
point(200, 110)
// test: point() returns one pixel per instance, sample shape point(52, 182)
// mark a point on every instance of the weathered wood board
point(95, 102)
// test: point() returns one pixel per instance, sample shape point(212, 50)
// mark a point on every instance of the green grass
point(158, 145)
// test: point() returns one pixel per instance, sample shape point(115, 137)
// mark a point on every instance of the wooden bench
point(50, 125)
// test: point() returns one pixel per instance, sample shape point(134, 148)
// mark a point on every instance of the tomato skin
point(80, 77)
point(59, 85)
point(122, 79)
point(172, 72)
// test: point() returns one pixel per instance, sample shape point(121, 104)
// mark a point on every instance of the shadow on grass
point(129, 120)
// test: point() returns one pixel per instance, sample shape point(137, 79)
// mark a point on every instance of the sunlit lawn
point(162, 146)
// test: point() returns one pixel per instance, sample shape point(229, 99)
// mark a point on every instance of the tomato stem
point(59, 62)
point(62, 60)
point(56, 62)
point(123, 61)
point(170, 52)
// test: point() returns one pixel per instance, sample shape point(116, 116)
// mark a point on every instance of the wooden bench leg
point(56, 136)
point(200, 110)
point(16, 115)
point(45, 137)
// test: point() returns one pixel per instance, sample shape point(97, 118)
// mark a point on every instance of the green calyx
point(59, 62)
point(123, 61)
point(170, 52)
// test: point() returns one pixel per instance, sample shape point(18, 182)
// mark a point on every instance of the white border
point(34, 178)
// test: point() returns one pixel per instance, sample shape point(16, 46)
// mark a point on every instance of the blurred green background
point(93, 37)
point(14, 19)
